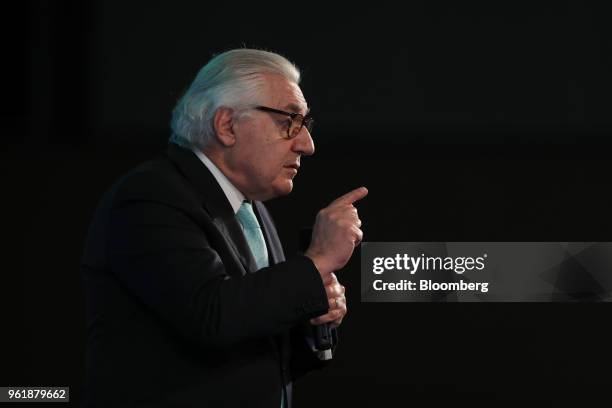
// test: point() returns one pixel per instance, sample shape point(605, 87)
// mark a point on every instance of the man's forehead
point(299, 108)
point(286, 95)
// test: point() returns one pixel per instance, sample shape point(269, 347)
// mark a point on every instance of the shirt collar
point(234, 196)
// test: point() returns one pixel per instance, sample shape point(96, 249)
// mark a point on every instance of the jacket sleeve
point(162, 257)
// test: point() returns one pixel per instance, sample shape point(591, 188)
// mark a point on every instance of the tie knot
point(246, 216)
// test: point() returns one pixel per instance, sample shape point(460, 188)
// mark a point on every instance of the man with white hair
point(190, 300)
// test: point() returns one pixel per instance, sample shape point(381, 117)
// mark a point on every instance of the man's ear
point(224, 126)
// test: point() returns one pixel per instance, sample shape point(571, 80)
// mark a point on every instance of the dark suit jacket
point(176, 316)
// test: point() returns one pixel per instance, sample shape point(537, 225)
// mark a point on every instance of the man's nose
point(303, 143)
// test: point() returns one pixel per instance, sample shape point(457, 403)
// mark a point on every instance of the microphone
point(323, 335)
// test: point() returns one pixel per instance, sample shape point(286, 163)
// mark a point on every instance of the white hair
point(232, 79)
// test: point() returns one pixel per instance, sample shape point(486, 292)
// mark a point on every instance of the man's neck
point(232, 192)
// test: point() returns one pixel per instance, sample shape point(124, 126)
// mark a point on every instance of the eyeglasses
point(298, 121)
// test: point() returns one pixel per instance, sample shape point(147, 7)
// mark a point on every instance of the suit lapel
point(214, 202)
point(230, 228)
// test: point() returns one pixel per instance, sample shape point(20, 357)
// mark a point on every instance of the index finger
point(351, 196)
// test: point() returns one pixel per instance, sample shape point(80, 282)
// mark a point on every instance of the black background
point(466, 123)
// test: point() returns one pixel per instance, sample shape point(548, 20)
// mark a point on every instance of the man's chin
point(283, 188)
point(278, 189)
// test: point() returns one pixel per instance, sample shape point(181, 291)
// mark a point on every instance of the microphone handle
point(323, 336)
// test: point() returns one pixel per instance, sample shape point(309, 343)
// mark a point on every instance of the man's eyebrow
point(292, 107)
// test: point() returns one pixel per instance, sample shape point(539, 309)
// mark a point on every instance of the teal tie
point(253, 234)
